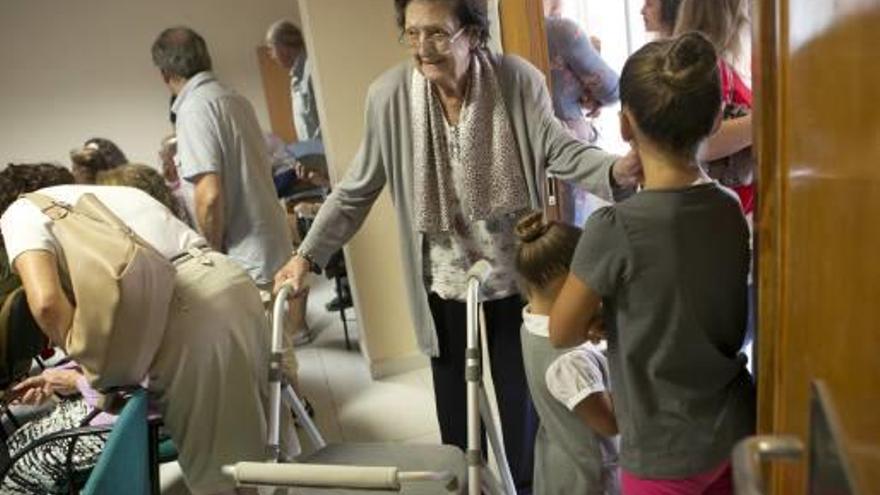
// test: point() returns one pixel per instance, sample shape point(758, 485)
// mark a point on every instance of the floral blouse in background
point(576, 70)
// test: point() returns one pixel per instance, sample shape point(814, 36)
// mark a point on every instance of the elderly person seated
point(208, 375)
point(71, 402)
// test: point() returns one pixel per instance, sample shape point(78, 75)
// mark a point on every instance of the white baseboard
point(397, 365)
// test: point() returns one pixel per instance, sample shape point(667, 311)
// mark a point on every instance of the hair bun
point(86, 157)
point(691, 57)
point(531, 227)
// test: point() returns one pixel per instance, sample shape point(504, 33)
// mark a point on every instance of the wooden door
point(523, 34)
point(817, 81)
point(276, 86)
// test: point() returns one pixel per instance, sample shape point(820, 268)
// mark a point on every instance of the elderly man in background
point(222, 153)
point(288, 49)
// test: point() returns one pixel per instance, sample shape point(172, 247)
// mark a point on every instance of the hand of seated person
point(314, 174)
point(591, 107)
point(307, 210)
point(37, 389)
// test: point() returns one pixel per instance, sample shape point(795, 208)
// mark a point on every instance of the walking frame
point(404, 468)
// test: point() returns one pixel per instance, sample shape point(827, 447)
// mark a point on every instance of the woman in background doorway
point(660, 16)
point(725, 23)
point(581, 84)
point(581, 81)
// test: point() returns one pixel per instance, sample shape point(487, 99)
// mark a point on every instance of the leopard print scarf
point(494, 184)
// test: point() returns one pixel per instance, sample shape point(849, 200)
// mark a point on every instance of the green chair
point(125, 465)
point(130, 459)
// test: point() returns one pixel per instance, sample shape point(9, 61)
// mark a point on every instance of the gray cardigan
point(386, 157)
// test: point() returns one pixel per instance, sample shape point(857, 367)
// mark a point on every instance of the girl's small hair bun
point(86, 157)
point(689, 60)
point(531, 227)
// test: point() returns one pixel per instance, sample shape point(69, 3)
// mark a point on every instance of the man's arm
point(210, 207)
point(202, 159)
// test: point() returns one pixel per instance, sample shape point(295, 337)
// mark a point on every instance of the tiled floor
point(350, 406)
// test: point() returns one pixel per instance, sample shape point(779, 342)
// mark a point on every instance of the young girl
point(669, 267)
point(576, 445)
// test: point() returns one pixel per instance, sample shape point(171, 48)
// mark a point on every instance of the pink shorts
point(718, 481)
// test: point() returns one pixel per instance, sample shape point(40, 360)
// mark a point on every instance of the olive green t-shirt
point(671, 267)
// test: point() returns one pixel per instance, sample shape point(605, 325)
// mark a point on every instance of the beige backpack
point(121, 288)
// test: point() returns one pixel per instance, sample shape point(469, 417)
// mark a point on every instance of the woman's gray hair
point(181, 52)
point(285, 33)
point(471, 14)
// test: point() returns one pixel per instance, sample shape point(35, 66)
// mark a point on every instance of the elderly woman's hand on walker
point(293, 273)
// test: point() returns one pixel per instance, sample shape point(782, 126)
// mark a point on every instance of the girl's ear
point(626, 126)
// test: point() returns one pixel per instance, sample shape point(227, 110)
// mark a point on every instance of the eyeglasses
point(440, 39)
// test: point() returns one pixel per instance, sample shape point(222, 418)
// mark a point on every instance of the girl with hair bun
point(669, 268)
point(576, 444)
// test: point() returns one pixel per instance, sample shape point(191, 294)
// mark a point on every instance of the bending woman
point(208, 377)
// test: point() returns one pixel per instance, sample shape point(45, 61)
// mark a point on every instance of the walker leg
point(342, 312)
point(290, 398)
point(495, 443)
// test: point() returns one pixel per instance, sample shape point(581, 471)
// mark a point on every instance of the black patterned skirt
point(44, 469)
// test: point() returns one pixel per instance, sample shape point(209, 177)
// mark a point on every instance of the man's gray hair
point(285, 33)
point(181, 52)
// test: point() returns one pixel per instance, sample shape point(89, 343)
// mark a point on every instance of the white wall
point(350, 43)
point(73, 69)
